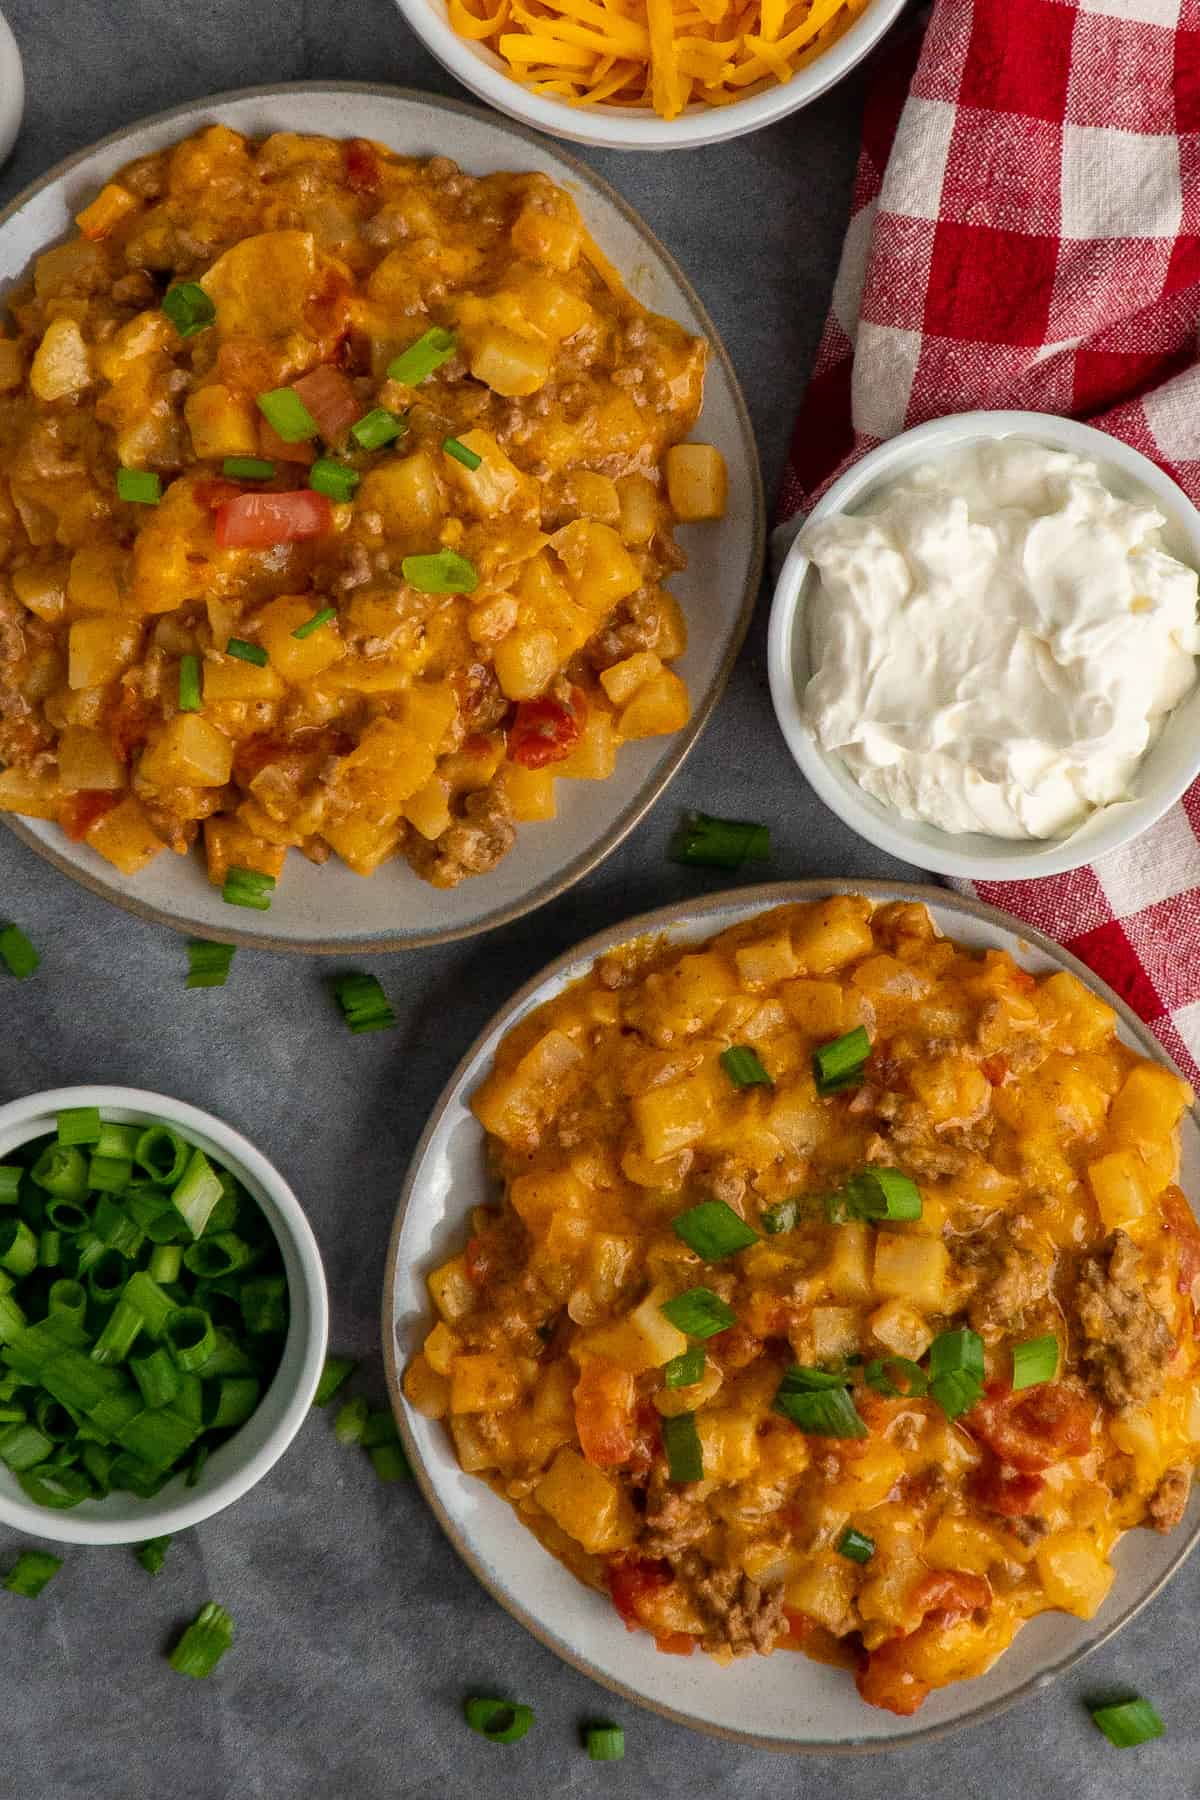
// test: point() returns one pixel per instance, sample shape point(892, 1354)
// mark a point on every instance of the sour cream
point(996, 639)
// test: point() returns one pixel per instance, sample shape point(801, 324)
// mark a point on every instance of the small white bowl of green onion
point(163, 1315)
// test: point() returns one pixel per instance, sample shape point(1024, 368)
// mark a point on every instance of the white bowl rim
point(745, 900)
point(624, 128)
point(12, 88)
point(906, 839)
point(291, 1228)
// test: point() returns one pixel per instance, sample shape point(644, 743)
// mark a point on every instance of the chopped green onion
point(12, 1319)
point(784, 1216)
point(10, 1183)
point(287, 415)
point(153, 1554)
point(713, 1230)
point(685, 1370)
point(497, 1720)
point(155, 1306)
point(31, 1571)
point(141, 486)
point(157, 1376)
point(188, 307)
point(17, 953)
point(68, 1297)
point(326, 615)
point(248, 887)
point(605, 1743)
point(23, 1447)
point(462, 453)
point(875, 1193)
point(109, 1174)
point(685, 1453)
point(67, 1218)
point(1128, 1723)
point(196, 1466)
point(52, 1417)
point(116, 1227)
point(351, 1421)
point(389, 1462)
point(338, 1369)
point(248, 468)
point(377, 428)
point(1034, 1361)
point(190, 699)
point(217, 1253)
point(190, 1336)
point(264, 1304)
point(876, 1375)
point(429, 352)
point(819, 1404)
point(121, 1330)
point(55, 1487)
point(248, 653)
point(117, 1140)
point(699, 1312)
point(335, 479)
point(229, 1402)
point(79, 1125)
point(18, 1247)
point(856, 1546)
point(380, 1428)
point(61, 1170)
point(204, 1642)
point(162, 1152)
point(707, 842)
point(956, 1371)
point(208, 964)
point(440, 572)
point(839, 1064)
point(165, 1263)
point(743, 1067)
point(364, 1004)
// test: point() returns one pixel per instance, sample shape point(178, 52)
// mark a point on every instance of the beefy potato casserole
point(337, 494)
point(841, 1296)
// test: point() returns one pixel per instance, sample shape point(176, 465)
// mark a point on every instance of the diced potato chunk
point(595, 754)
point(12, 365)
point(511, 1102)
point(835, 1331)
point(728, 1441)
point(658, 707)
point(230, 844)
point(297, 660)
point(766, 960)
point(97, 578)
point(901, 1329)
point(86, 759)
point(1149, 1105)
point(262, 286)
point(486, 1382)
point(547, 237)
point(35, 796)
point(638, 500)
point(496, 485)
point(429, 808)
point(587, 1503)
point(405, 491)
point(957, 1543)
point(112, 204)
point(697, 481)
point(849, 1271)
point(530, 792)
point(599, 568)
point(98, 649)
point(41, 587)
point(538, 1196)
point(1079, 1019)
point(229, 678)
point(222, 421)
point(441, 1347)
point(452, 1290)
point(507, 363)
point(911, 1268)
point(62, 362)
point(426, 1390)
point(1118, 1186)
point(189, 752)
point(125, 837)
point(671, 1117)
point(623, 679)
point(832, 933)
point(526, 661)
point(1074, 1575)
point(645, 1339)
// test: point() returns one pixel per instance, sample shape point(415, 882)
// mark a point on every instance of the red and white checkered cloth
point(1025, 232)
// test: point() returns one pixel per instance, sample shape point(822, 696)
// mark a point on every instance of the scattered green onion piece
point(155, 1306)
point(681, 1441)
point(685, 1370)
point(818, 1404)
point(157, 1376)
point(141, 486)
point(462, 453)
point(699, 1312)
point(605, 1743)
point(120, 1333)
point(204, 1642)
point(190, 1336)
point(227, 1358)
point(118, 1141)
point(324, 617)
point(351, 1421)
point(17, 953)
point(703, 841)
point(248, 468)
point(217, 1253)
point(377, 428)
point(876, 1375)
point(784, 1216)
point(115, 1411)
point(158, 1436)
point(153, 1554)
point(50, 1249)
point(162, 1153)
point(18, 1247)
point(241, 651)
point(1128, 1723)
point(208, 964)
point(24, 1447)
point(287, 415)
point(498, 1721)
point(79, 1125)
point(62, 1171)
point(389, 1462)
point(229, 1402)
point(839, 1064)
point(109, 1174)
point(165, 1262)
point(1034, 1361)
point(264, 1304)
point(98, 1460)
point(31, 1572)
point(336, 480)
point(365, 1006)
point(10, 1183)
point(440, 572)
point(956, 1371)
point(248, 887)
point(855, 1546)
point(196, 1195)
point(188, 307)
point(380, 1428)
point(190, 699)
point(338, 1369)
point(429, 352)
point(69, 1297)
point(743, 1067)
point(57, 1488)
point(875, 1193)
point(713, 1230)
point(800, 1379)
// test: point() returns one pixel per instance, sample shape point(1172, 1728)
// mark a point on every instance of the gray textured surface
point(358, 1629)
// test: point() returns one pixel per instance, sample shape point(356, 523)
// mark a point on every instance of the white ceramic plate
point(783, 1702)
point(331, 910)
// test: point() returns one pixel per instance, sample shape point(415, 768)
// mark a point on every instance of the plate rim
point(682, 744)
point(757, 895)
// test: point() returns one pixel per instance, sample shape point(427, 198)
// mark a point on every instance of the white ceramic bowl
point(12, 88)
point(245, 1458)
point(1170, 766)
point(630, 128)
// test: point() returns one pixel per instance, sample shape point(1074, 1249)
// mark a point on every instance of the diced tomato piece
point(362, 166)
point(605, 1412)
point(1180, 1221)
point(331, 399)
point(81, 809)
point(1032, 1429)
point(631, 1580)
point(888, 1679)
point(675, 1643)
point(996, 1069)
point(546, 731)
point(212, 492)
point(950, 1594)
point(1011, 1492)
point(259, 521)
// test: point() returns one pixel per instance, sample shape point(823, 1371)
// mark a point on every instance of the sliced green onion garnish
point(784, 1216)
point(497, 1720)
point(440, 572)
point(685, 1370)
point(699, 1312)
point(881, 1376)
point(389, 1462)
point(351, 1421)
point(189, 684)
point(188, 307)
point(1034, 1361)
point(217, 1253)
point(287, 415)
point(685, 1453)
point(17, 953)
point(956, 1370)
point(153, 1554)
point(856, 1546)
point(157, 1375)
point(337, 1370)
point(31, 1571)
point(190, 1336)
point(109, 1174)
point(248, 468)
point(839, 1064)
point(1128, 1723)
point(10, 1183)
point(875, 1194)
point(325, 617)
point(208, 964)
point(68, 1297)
point(23, 1447)
point(462, 453)
point(166, 1260)
point(79, 1125)
point(141, 486)
point(248, 887)
point(820, 1407)
point(248, 653)
point(62, 1171)
point(713, 1230)
point(377, 428)
point(18, 1247)
point(121, 1330)
point(719, 843)
point(117, 1140)
point(162, 1152)
point(365, 1006)
point(429, 352)
point(743, 1067)
point(605, 1743)
point(335, 479)
point(204, 1642)
point(197, 1193)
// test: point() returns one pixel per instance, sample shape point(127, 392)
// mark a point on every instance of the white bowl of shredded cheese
point(983, 645)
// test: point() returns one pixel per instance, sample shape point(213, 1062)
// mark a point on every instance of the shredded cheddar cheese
point(665, 54)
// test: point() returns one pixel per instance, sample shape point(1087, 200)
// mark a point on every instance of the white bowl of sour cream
point(983, 645)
